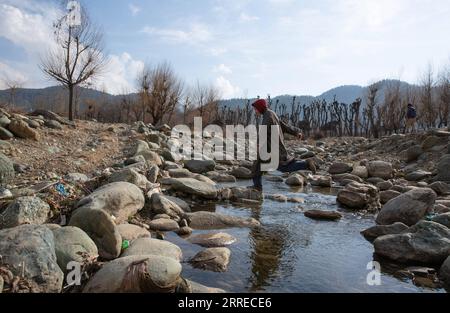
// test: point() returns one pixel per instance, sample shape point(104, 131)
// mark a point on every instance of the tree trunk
point(71, 103)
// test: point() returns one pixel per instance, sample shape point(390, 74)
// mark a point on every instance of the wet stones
point(163, 205)
point(200, 166)
point(295, 180)
point(209, 220)
point(212, 259)
point(425, 242)
point(238, 193)
point(320, 181)
point(374, 232)
point(380, 169)
point(221, 177)
point(241, 173)
point(150, 246)
point(388, 195)
point(163, 224)
point(195, 187)
point(408, 208)
point(212, 240)
point(358, 196)
point(323, 215)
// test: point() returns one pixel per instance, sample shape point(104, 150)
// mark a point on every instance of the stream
point(292, 253)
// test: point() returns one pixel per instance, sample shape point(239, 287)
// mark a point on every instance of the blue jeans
point(290, 167)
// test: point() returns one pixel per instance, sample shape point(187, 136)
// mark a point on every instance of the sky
point(245, 48)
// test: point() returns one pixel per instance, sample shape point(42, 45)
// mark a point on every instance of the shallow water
point(292, 253)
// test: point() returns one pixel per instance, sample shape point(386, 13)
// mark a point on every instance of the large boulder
point(295, 180)
point(25, 210)
point(440, 188)
point(21, 129)
point(443, 174)
point(100, 227)
point(212, 259)
point(444, 273)
point(195, 187)
point(129, 175)
point(150, 246)
point(242, 173)
point(71, 243)
point(210, 220)
point(340, 168)
point(212, 240)
point(120, 199)
point(374, 232)
point(5, 134)
point(388, 195)
point(200, 166)
point(136, 274)
point(6, 169)
point(358, 196)
point(131, 232)
point(360, 171)
point(321, 181)
point(425, 242)
point(408, 208)
point(163, 224)
point(162, 205)
point(29, 250)
point(380, 169)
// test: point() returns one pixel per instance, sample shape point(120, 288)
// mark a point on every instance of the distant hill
point(31, 98)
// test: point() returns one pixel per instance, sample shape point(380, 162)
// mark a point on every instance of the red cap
point(260, 105)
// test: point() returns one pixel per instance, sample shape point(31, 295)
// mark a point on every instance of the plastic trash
point(125, 244)
point(61, 189)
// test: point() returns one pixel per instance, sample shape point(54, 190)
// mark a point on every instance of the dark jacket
point(270, 118)
point(411, 113)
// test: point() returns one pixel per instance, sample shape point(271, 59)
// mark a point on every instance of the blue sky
point(244, 47)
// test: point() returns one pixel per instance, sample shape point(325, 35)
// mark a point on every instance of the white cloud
point(195, 34)
point(121, 74)
point(244, 17)
point(7, 73)
point(222, 69)
point(134, 9)
point(226, 88)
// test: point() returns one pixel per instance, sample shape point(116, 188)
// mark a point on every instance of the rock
point(360, 171)
point(388, 195)
point(136, 274)
point(169, 155)
point(134, 160)
point(444, 273)
point(21, 129)
point(212, 259)
point(425, 242)
point(120, 199)
point(321, 181)
point(204, 179)
point(152, 174)
point(210, 220)
point(408, 208)
point(358, 196)
point(131, 232)
point(277, 197)
point(150, 246)
point(4, 121)
point(417, 175)
point(212, 240)
point(1, 283)
point(184, 231)
point(195, 187)
point(199, 288)
point(443, 174)
point(53, 124)
point(221, 177)
point(374, 232)
point(272, 178)
point(242, 173)
point(238, 193)
point(139, 146)
point(383, 186)
point(440, 188)
point(440, 209)
point(6, 169)
point(413, 153)
point(24, 210)
point(5, 134)
point(29, 250)
point(162, 205)
point(129, 175)
point(380, 169)
point(154, 138)
point(375, 180)
point(295, 180)
point(70, 244)
point(443, 219)
point(347, 178)
point(340, 168)
point(181, 203)
point(296, 200)
point(76, 178)
point(430, 142)
point(101, 228)
point(181, 173)
point(200, 166)
point(163, 224)
point(151, 157)
point(323, 215)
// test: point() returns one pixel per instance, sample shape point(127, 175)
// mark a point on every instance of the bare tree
point(13, 85)
point(78, 57)
point(444, 98)
point(428, 112)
